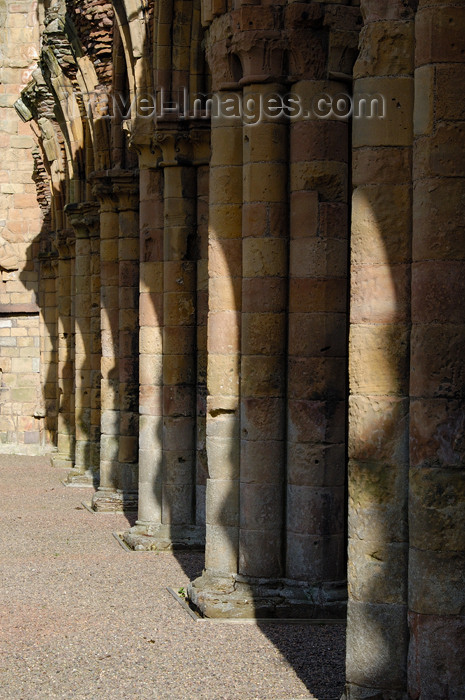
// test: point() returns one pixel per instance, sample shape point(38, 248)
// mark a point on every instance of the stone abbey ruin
point(232, 297)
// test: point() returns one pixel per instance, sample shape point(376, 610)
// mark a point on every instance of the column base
point(236, 596)
point(61, 462)
point(107, 500)
point(86, 478)
point(146, 536)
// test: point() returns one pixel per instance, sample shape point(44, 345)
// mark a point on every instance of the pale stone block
point(223, 458)
point(222, 504)
point(423, 113)
point(221, 548)
point(378, 359)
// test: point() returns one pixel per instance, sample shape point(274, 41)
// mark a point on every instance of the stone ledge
point(17, 309)
point(164, 538)
point(107, 500)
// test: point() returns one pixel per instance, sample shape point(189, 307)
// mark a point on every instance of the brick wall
point(20, 225)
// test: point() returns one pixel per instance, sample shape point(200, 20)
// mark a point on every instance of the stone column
point(95, 350)
point(83, 217)
point(179, 361)
point(65, 292)
point(49, 343)
point(436, 598)
point(263, 340)
point(316, 380)
point(107, 498)
point(167, 443)
point(377, 634)
point(151, 351)
point(257, 576)
point(202, 315)
point(126, 191)
point(223, 363)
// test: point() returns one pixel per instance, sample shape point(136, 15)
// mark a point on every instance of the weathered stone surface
point(436, 581)
point(437, 509)
point(379, 429)
point(378, 359)
point(436, 668)
point(377, 502)
point(385, 49)
point(377, 653)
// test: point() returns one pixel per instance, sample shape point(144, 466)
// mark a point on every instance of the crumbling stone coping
point(252, 620)
point(17, 309)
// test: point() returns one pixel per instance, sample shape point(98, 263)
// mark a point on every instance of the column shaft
point(223, 362)
point(83, 217)
point(317, 350)
point(179, 356)
point(379, 358)
point(106, 497)
point(65, 426)
point(436, 598)
point(49, 346)
point(168, 352)
point(128, 340)
point(263, 341)
point(96, 351)
point(150, 348)
point(202, 314)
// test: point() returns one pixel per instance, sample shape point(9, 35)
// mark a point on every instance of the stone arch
point(132, 24)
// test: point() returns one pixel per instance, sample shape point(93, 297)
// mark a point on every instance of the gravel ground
point(82, 618)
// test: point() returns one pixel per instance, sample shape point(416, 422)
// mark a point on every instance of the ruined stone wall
point(21, 219)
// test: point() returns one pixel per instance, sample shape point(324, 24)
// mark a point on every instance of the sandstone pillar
point(110, 495)
point(179, 361)
point(49, 343)
point(150, 349)
point(263, 340)
point(83, 218)
point(316, 373)
point(379, 355)
point(95, 349)
point(201, 330)
point(168, 376)
point(65, 369)
point(126, 191)
point(436, 598)
point(223, 364)
point(271, 567)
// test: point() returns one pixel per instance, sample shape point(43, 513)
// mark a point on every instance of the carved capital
point(84, 218)
point(301, 41)
point(116, 189)
point(65, 241)
point(179, 143)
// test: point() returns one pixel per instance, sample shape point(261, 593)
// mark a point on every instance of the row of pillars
point(277, 268)
point(255, 470)
point(131, 365)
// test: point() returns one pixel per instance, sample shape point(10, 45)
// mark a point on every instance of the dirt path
point(82, 618)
